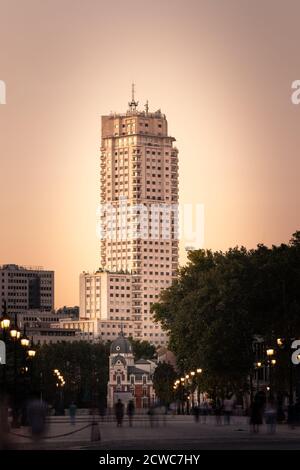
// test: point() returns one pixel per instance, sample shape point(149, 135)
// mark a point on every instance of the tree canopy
point(84, 367)
point(163, 380)
point(222, 300)
point(142, 349)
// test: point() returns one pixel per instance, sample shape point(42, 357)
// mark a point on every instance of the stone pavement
point(171, 432)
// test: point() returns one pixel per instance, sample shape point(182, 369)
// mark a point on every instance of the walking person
point(119, 412)
point(256, 414)
point(72, 413)
point(130, 411)
point(36, 413)
point(203, 411)
point(196, 413)
point(218, 411)
point(228, 408)
point(271, 416)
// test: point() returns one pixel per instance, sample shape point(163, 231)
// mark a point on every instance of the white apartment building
point(138, 225)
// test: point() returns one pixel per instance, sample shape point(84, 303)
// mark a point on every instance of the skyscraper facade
point(139, 210)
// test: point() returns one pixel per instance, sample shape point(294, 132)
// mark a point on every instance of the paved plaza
point(171, 432)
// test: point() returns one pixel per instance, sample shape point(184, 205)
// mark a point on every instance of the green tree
point(142, 349)
point(84, 367)
point(163, 381)
point(220, 301)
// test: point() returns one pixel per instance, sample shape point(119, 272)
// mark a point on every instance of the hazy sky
point(220, 70)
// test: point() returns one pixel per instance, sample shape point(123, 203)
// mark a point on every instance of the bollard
point(95, 432)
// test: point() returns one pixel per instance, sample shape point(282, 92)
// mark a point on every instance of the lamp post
point(192, 375)
point(258, 366)
point(271, 362)
point(24, 340)
point(199, 372)
point(4, 324)
point(15, 336)
point(284, 343)
point(60, 385)
point(31, 352)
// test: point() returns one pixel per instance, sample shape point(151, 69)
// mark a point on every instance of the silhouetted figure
point(72, 413)
point(102, 410)
point(256, 414)
point(271, 416)
point(95, 431)
point(228, 409)
point(291, 416)
point(36, 413)
point(119, 412)
point(130, 412)
point(151, 414)
point(196, 413)
point(297, 412)
point(203, 411)
point(280, 410)
point(4, 426)
point(218, 411)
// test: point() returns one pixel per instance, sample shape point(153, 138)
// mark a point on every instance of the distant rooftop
point(16, 267)
point(155, 114)
point(132, 108)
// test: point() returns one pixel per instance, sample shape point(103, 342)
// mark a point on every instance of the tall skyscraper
point(139, 198)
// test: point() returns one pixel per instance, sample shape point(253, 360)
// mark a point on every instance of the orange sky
point(220, 70)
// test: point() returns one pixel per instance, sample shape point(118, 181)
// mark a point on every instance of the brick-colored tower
point(139, 197)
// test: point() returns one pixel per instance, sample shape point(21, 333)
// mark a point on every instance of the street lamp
point(4, 322)
point(31, 352)
point(24, 340)
point(199, 371)
point(270, 352)
point(258, 366)
point(15, 336)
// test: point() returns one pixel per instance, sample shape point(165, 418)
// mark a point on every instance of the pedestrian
point(4, 426)
point(72, 413)
point(196, 412)
point(256, 414)
point(151, 414)
point(102, 410)
point(130, 411)
point(36, 413)
point(119, 412)
point(204, 411)
point(271, 416)
point(291, 416)
point(228, 408)
point(218, 411)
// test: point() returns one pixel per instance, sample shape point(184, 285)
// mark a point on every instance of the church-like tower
point(129, 379)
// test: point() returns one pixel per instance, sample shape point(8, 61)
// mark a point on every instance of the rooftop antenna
point(133, 104)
